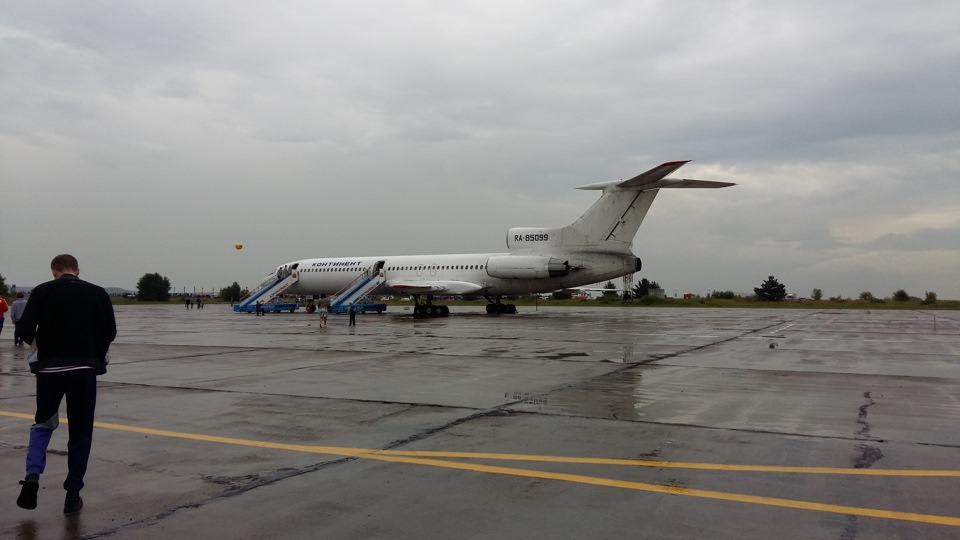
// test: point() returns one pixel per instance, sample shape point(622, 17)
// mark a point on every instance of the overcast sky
point(151, 136)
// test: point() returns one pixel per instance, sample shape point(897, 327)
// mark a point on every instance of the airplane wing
point(434, 287)
point(592, 289)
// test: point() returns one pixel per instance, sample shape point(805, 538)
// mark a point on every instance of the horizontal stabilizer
point(687, 183)
point(656, 178)
point(653, 175)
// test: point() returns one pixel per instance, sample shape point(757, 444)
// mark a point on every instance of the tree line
point(153, 287)
point(156, 288)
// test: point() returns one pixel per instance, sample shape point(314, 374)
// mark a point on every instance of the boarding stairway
point(359, 288)
point(271, 287)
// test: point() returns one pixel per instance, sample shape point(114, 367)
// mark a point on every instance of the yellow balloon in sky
point(238, 246)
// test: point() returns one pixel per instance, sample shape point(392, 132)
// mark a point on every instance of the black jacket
point(72, 321)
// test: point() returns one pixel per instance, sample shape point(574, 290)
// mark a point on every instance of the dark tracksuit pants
point(80, 388)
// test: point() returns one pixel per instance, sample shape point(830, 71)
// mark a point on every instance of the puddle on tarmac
point(618, 396)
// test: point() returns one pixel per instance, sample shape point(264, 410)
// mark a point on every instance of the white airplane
point(596, 247)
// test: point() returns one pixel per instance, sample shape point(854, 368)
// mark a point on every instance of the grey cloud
point(927, 239)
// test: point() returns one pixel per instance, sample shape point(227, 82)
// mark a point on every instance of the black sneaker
point(28, 493)
point(73, 502)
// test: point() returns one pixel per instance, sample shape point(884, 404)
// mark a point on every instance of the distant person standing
point(72, 324)
point(16, 313)
point(324, 304)
point(352, 310)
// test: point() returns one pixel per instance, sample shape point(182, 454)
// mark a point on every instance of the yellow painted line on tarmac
point(335, 450)
point(421, 458)
point(345, 451)
point(679, 464)
point(671, 490)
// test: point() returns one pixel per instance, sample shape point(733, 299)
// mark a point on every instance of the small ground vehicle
point(362, 308)
point(269, 307)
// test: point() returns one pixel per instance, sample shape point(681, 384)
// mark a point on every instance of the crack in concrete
point(868, 454)
point(862, 416)
point(233, 489)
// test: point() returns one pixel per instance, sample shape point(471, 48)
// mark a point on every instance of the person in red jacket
point(71, 350)
point(3, 311)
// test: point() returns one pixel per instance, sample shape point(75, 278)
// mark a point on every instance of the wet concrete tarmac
point(554, 423)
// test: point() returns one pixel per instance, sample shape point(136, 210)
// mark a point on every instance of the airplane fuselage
point(329, 275)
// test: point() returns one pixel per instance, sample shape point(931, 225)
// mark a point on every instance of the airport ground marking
point(365, 452)
point(421, 458)
point(677, 464)
point(673, 490)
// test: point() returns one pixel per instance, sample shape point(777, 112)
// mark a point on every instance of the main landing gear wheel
point(430, 310)
point(498, 309)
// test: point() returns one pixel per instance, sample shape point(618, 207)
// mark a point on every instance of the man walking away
point(324, 309)
point(72, 324)
point(16, 312)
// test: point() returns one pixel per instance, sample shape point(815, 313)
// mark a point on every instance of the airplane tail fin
point(614, 219)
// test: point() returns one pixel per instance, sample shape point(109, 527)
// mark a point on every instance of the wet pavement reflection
point(207, 414)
